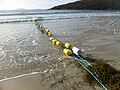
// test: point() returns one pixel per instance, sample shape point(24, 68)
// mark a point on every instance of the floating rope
point(74, 53)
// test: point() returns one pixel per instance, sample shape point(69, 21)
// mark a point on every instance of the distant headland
point(90, 5)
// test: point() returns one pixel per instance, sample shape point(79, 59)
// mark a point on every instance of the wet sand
point(64, 73)
point(68, 78)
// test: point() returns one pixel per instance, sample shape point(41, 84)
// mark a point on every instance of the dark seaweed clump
point(109, 75)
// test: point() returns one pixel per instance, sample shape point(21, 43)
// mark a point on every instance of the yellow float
point(67, 45)
point(58, 43)
point(54, 41)
point(51, 38)
point(49, 34)
point(46, 30)
point(67, 52)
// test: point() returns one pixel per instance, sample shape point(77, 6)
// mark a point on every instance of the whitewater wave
point(17, 20)
point(49, 12)
point(16, 17)
point(37, 13)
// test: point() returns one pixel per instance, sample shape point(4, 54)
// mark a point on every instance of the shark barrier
point(74, 53)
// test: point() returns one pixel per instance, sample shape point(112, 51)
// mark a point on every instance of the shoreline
point(68, 78)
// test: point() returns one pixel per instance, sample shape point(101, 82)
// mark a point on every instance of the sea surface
point(25, 50)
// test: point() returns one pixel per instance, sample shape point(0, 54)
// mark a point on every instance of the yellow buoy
point(58, 43)
point(36, 23)
point(49, 34)
point(67, 52)
point(54, 41)
point(40, 26)
point(46, 30)
point(51, 38)
point(67, 45)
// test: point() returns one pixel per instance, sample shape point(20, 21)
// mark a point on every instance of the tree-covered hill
point(90, 5)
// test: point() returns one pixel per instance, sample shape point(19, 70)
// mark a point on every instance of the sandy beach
point(28, 61)
point(68, 78)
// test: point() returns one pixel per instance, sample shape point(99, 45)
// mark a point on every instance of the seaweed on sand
point(109, 75)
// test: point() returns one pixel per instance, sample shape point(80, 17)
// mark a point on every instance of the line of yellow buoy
point(66, 47)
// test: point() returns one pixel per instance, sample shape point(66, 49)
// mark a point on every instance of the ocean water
point(24, 49)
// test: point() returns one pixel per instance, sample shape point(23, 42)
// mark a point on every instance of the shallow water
point(24, 49)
